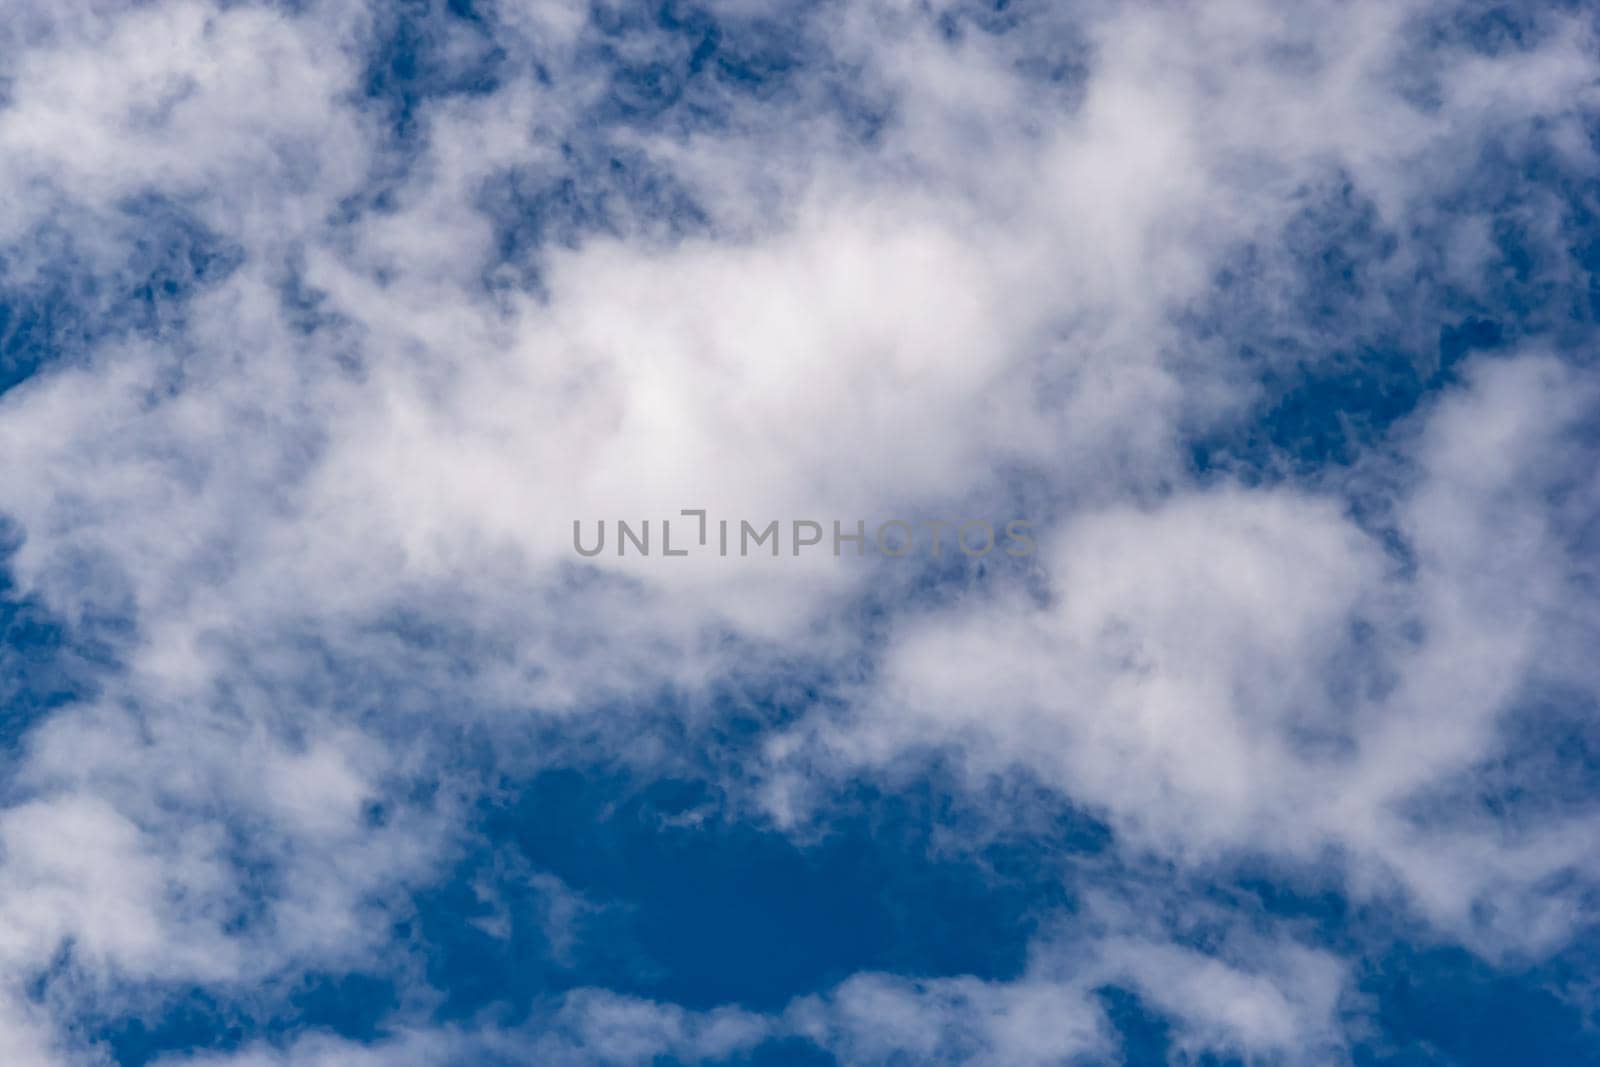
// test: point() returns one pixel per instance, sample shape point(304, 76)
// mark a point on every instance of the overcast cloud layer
point(321, 323)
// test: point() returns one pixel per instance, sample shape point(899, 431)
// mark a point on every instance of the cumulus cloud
point(1237, 671)
point(939, 268)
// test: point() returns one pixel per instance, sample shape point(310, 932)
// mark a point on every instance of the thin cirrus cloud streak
point(1003, 295)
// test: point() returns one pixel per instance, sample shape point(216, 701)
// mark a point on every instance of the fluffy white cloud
point(986, 304)
point(1225, 671)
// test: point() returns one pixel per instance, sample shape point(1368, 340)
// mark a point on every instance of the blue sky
point(321, 324)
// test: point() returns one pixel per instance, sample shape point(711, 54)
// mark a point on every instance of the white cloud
point(861, 327)
point(1197, 676)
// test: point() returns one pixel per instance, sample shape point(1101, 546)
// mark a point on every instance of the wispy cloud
point(324, 322)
